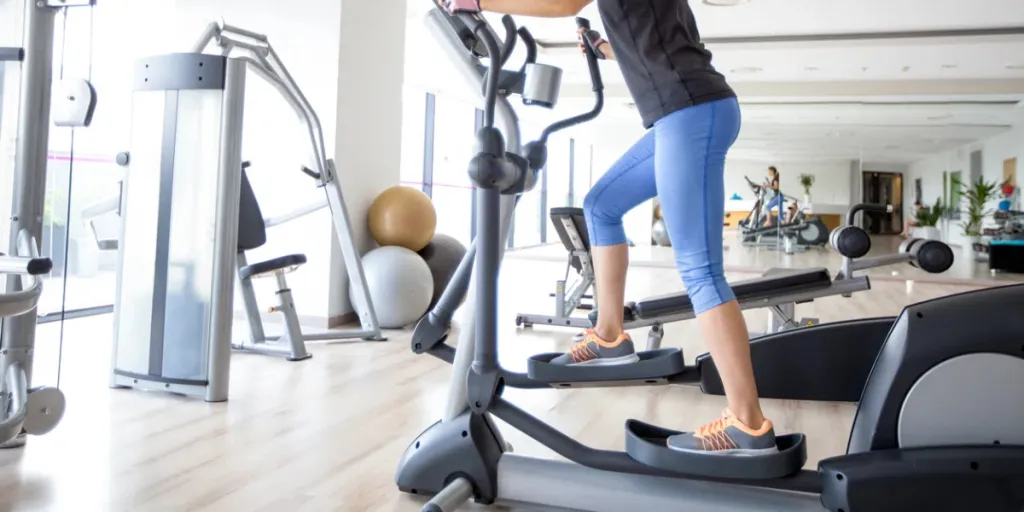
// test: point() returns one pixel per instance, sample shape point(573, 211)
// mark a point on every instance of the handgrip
point(592, 56)
point(39, 266)
point(531, 47)
point(510, 38)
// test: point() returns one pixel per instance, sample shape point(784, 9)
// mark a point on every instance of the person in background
point(692, 117)
point(912, 218)
point(772, 194)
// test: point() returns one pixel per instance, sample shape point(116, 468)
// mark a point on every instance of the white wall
point(994, 151)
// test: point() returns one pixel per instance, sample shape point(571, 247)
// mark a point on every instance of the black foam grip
point(40, 266)
point(933, 256)
point(851, 241)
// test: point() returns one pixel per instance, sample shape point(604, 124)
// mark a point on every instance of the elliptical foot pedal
point(654, 367)
point(647, 444)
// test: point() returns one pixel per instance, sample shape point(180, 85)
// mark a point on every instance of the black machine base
point(654, 367)
point(826, 362)
point(466, 447)
point(989, 478)
point(647, 445)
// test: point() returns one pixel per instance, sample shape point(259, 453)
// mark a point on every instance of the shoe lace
point(714, 427)
point(580, 351)
point(713, 436)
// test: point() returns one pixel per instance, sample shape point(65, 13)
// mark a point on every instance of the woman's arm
point(537, 8)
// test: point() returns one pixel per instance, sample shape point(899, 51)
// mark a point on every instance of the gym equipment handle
point(866, 207)
point(510, 38)
point(591, 52)
point(21, 265)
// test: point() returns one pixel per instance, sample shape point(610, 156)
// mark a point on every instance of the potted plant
point(806, 181)
point(927, 218)
point(977, 196)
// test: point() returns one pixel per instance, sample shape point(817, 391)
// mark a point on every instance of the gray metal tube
point(16, 384)
point(243, 32)
point(453, 496)
point(879, 261)
point(562, 485)
point(315, 206)
point(211, 32)
point(18, 334)
point(224, 269)
point(488, 262)
point(15, 264)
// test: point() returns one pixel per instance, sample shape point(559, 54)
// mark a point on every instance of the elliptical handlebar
point(510, 38)
point(597, 85)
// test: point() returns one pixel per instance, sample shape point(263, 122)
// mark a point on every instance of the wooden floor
point(326, 434)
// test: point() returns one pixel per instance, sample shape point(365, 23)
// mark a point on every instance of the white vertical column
point(371, 65)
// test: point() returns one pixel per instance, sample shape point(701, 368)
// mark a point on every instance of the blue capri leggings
point(682, 162)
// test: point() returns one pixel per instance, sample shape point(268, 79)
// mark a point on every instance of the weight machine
point(24, 409)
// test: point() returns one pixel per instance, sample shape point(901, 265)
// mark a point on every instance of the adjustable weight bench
point(571, 226)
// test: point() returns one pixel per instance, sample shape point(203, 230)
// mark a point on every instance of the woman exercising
point(774, 197)
point(695, 119)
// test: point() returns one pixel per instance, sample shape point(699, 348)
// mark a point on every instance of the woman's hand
point(601, 47)
point(455, 6)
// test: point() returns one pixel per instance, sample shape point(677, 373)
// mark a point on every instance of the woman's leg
point(627, 184)
point(690, 169)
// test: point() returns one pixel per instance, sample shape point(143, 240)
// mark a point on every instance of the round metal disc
point(45, 410)
point(974, 399)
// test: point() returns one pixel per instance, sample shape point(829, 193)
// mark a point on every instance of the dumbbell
point(932, 256)
point(850, 241)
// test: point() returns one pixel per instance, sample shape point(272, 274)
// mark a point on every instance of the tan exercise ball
point(402, 216)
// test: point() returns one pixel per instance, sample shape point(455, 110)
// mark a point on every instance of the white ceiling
point(880, 99)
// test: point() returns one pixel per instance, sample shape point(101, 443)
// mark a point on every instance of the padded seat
point(774, 282)
point(271, 266)
point(578, 223)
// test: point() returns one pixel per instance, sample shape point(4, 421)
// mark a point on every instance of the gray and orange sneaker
point(727, 436)
point(593, 350)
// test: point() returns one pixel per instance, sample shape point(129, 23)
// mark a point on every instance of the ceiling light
point(725, 3)
point(1015, 66)
point(746, 70)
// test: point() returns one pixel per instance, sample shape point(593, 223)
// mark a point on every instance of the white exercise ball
point(400, 285)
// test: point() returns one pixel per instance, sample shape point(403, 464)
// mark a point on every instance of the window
point(453, 148)
point(558, 180)
point(417, 112)
point(583, 172)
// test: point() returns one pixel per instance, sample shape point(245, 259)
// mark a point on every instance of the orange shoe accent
point(581, 352)
point(714, 434)
point(592, 336)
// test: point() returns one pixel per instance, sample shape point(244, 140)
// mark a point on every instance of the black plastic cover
point(825, 362)
point(925, 335)
point(989, 478)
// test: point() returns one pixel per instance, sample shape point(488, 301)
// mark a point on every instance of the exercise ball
point(443, 255)
point(399, 283)
point(660, 234)
point(402, 216)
